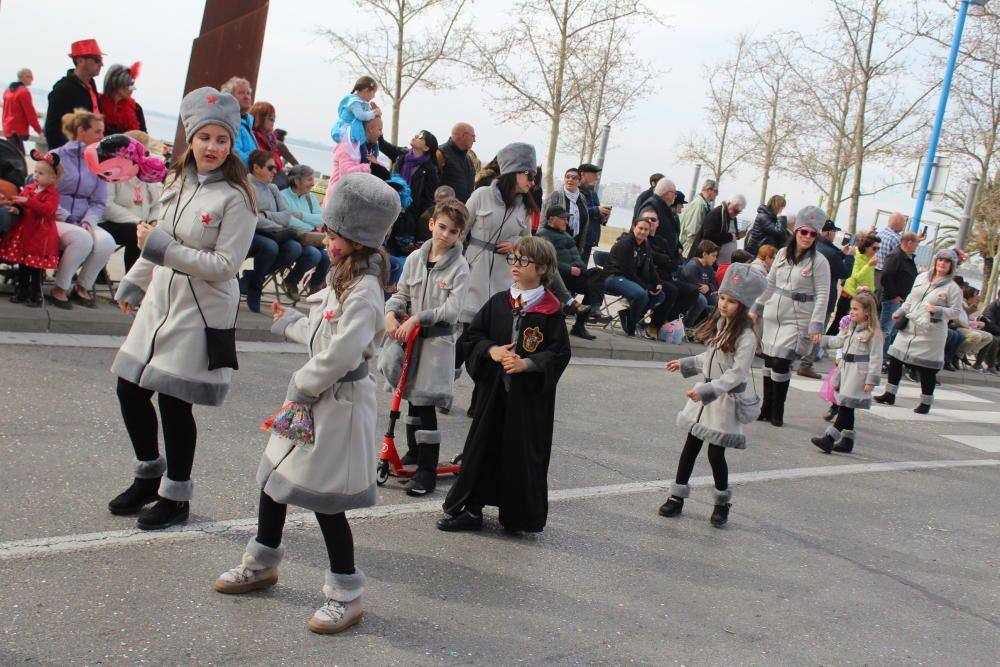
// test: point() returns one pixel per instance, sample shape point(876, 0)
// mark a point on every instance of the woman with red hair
point(121, 112)
point(264, 117)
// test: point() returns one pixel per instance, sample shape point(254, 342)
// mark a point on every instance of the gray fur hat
point(744, 283)
point(362, 209)
point(207, 106)
point(948, 254)
point(811, 216)
point(513, 158)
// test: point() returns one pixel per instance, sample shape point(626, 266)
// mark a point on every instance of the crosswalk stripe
point(987, 443)
point(905, 391)
point(937, 414)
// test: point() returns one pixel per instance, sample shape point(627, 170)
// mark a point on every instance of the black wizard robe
point(505, 461)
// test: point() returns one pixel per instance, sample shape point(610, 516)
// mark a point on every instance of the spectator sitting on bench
point(700, 271)
point(574, 272)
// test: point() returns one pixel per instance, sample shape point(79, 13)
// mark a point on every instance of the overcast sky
point(296, 74)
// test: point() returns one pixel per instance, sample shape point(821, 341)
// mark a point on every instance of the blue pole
point(925, 181)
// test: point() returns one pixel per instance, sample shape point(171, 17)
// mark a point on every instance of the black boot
point(134, 498)
point(922, 409)
point(163, 514)
point(779, 393)
point(824, 442)
point(830, 414)
point(410, 457)
point(846, 443)
point(626, 322)
point(672, 507)
point(720, 515)
point(462, 521)
point(579, 330)
point(425, 479)
point(765, 400)
point(887, 398)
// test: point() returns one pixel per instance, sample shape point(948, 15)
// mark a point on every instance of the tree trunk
point(859, 129)
point(397, 98)
point(557, 94)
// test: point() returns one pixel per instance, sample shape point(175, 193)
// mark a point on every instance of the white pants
point(81, 249)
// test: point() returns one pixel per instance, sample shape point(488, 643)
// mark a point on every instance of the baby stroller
point(13, 173)
point(389, 463)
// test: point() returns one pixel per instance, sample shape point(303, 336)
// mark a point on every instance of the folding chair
point(612, 304)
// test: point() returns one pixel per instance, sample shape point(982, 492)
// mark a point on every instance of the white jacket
point(793, 304)
point(123, 205)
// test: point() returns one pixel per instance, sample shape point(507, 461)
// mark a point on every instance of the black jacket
point(841, 266)
point(640, 200)
point(766, 230)
point(68, 94)
point(991, 318)
point(715, 228)
point(632, 261)
point(669, 230)
point(459, 172)
point(423, 182)
point(899, 271)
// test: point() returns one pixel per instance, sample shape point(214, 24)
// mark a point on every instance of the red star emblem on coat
point(328, 315)
point(443, 284)
point(212, 99)
point(206, 219)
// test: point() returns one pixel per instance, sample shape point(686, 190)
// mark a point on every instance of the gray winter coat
point(272, 209)
point(200, 243)
point(435, 298)
point(490, 223)
point(713, 419)
point(337, 472)
point(860, 365)
point(921, 342)
point(794, 304)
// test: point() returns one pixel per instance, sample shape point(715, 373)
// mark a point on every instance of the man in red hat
point(76, 90)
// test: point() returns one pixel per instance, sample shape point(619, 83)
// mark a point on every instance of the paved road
point(886, 560)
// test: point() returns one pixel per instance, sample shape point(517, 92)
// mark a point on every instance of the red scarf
point(266, 141)
point(120, 117)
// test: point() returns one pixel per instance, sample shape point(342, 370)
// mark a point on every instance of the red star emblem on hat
point(735, 279)
point(206, 219)
point(212, 99)
point(328, 315)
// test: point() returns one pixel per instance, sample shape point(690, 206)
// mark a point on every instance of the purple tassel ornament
point(293, 422)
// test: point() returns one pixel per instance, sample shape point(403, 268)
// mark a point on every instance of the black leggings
point(427, 414)
point(716, 458)
point(336, 533)
point(845, 419)
point(843, 307)
point(927, 376)
point(180, 433)
point(777, 365)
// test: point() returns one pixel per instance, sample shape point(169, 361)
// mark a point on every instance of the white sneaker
point(243, 579)
point(336, 616)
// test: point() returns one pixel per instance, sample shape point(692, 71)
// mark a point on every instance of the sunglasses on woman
point(271, 167)
point(805, 231)
point(520, 260)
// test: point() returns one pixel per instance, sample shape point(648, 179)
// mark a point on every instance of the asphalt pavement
point(885, 556)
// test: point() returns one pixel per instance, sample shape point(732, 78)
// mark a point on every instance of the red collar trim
point(548, 304)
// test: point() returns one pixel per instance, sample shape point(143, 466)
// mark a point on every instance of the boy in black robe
point(515, 349)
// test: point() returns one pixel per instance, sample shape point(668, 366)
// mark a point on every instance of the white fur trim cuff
point(780, 377)
point(428, 437)
point(680, 490)
point(706, 392)
point(149, 469)
point(176, 491)
point(259, 556)
point(344, 587)
point(689, 366)
point(850, 435)
point(156, 245)
point(410, 420)
point(891, 389)
point(926, 399)
point(833, 432)
point(722, 497)
point(290, 315)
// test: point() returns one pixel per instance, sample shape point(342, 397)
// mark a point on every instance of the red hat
point(85, 47)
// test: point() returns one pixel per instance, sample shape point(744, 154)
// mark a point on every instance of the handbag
point(827, 390)
point(314, 239)
point(220, 343)
point(279, 235)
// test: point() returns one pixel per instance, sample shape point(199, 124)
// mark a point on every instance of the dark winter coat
point(717, 227)
point(841, 266)
point(593, 215)
point(423, 182)
point(505, 461)
point(766, 230)
point(639, 201)
point(991, 318)
point(633, 261)
point(68, 94)
point(899, 271)
point(669, 229)
point(567, 252)
point(459, 172)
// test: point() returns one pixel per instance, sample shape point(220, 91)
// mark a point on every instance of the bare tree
point(885, 120)
point(718, 150)
point(530, 62)
point(614, 80)
point(764, 111)
point(394, 52)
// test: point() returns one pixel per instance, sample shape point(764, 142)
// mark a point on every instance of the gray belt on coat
point(795, 296)
point(359, 373)
point(852, 358)
point(436, 330)
point(486, 245)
